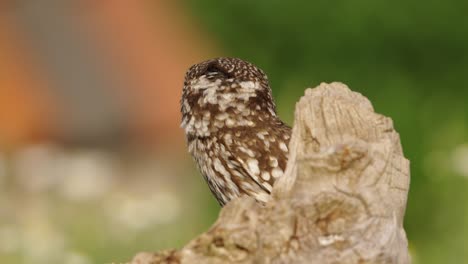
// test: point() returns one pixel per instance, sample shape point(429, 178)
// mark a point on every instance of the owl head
point(226, 85)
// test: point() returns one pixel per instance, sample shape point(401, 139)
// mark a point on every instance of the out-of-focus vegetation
point(83, 206)
point(409, 58)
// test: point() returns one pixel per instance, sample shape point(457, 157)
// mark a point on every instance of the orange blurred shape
point(25, 111)
point(152, 44)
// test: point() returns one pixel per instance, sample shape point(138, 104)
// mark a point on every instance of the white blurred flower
point(41, 241)
point(87, 175)
point(138, 213)
point(78, 175)
point(36, 167)
point(74, 257)
point(460, 160)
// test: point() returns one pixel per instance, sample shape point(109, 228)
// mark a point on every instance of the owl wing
point(257, 162)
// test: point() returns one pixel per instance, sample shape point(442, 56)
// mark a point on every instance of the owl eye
point(215, 69)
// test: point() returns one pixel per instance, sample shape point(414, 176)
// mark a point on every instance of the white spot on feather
point(240, 107)
point(218, 166)
point(277, 172)
point(253, 166)
point(187, 106)
point(283, 147)
point(266, 175)
point(247, 186)
point(261, 136)
point(247, 151)
point(268, 186)
point(273, 162)
point(228, 139)
point(222, 116)
point(230, 122)
point(248, 85)
point(201, 83)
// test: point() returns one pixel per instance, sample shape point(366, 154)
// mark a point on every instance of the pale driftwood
point(341, 200)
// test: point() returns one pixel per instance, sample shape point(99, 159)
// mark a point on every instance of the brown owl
point(233, 132)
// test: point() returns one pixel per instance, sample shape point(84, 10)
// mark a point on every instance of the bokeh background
point(92, 161)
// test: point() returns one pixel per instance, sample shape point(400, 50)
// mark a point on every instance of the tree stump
point(342, 198)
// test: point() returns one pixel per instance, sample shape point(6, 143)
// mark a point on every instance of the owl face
point(225, 86)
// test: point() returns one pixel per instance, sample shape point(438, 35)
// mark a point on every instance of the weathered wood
point(342, 198)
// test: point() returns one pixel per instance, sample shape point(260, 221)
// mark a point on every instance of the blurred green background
point(88, 190)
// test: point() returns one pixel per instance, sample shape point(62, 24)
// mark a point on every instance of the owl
point(232, 130)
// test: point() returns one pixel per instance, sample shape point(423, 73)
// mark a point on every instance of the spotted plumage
point(233, 132)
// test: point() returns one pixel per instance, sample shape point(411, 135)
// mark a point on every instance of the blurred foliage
point(84, 206)
point(409, 58)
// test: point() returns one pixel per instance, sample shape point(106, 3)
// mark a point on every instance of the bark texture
point(342, 198)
